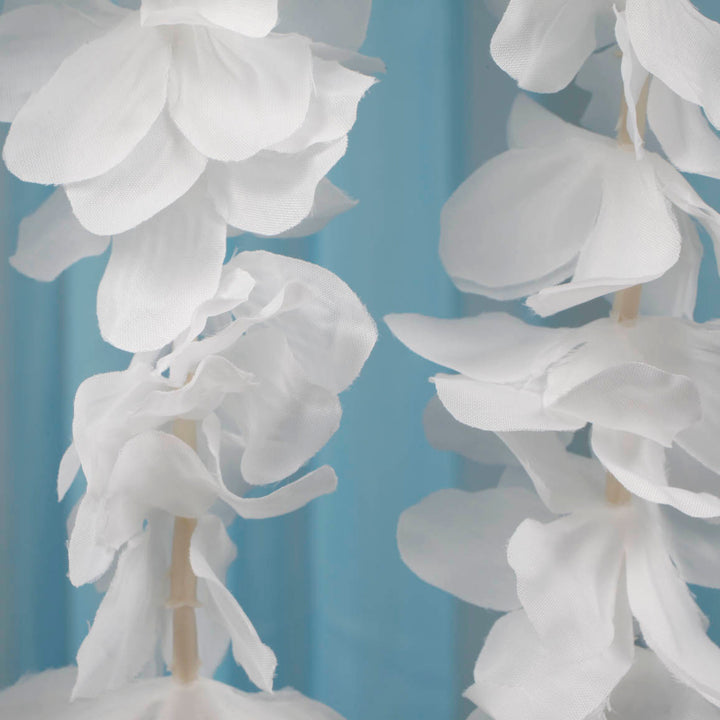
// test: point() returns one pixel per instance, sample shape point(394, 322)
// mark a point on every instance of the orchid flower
point(166, 124)
point(645, 387)
point(571, 571)
point(566, 203)
point(45, 697)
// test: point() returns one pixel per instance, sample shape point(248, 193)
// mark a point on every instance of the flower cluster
point(609, 503)
point(169, 128)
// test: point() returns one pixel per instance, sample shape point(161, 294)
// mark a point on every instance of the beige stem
point(183, 584)
point(626, 305)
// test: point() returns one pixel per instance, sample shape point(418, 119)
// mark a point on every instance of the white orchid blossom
point(644, 386)
point(165, 125)
point(45, 697)
point(566, 203)
point(571, 571)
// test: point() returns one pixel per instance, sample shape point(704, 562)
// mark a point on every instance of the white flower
point(576, 583)
point(279, 341)
point(644, 386)
point(564, 202)
point(45, 697)
point(133, 625)
point(168, 123)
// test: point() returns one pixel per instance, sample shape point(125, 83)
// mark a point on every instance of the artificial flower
point(578, 578)
point(258, 372)
point(168, 123)
point(566, 203)
point(645, 387)
point(46, 697)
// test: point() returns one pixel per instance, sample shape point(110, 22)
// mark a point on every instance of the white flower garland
point(588, 554)
point(167, 128)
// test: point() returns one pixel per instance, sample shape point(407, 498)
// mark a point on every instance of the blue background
point(351, 625)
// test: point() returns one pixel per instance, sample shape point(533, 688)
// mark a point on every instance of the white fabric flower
point(45, 697)
point(645, 387)
point(267, 357)
point(175, 111)
point(133, 625)
point(564, 202)
point(578, 581)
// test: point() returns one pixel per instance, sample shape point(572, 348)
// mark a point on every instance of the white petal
point(567, 579)
point(444, 432)
point(233, 96)
point(565, 481)
point(96, 108)
point(635, 77)
point(543, 44)
point(671, 623)
point(122, 639)
point(329, 202)
point(634, 238)
point(639, 464)
point(518, 222)
point(500, 408)
point(693, 546)
point(457, 541)
point(674, 41)
point(157, 172)
point(683, 131)
point(650, 692)
point(254, 18)
point(159, 273)
point(68, 470)
point(89, 556)
point(333, 105)
point(494, 347)
point(336, 22)
point(287, 499)
point(257, 659)
point(518, 678)
point(51, 240)
point(284, 419)
point(34, 40)
point(272, 192)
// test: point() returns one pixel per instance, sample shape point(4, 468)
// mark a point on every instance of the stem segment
point(183, 584)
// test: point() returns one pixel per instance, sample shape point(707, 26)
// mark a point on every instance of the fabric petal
point(333, 106)
point(518, 222)
point(567, 579)
point(693, 547)
point(122, 639)
point(34, 40)
point(253, 18)
point(634, 239)
point(500, 408)
point(639, 464)
point(683, 131)
point(494, 347)
point(516, 676)
point(68, 470)
point(272, 192)
point(89, 555)
point(679, 45)
point(159, 273)
point(671, 623)
point(162, 168)
point(94, 110)
point(457, 541)
point(544, 44)
point(257, 659)
point(342, 23)
point(233, 96)
point(51, 240)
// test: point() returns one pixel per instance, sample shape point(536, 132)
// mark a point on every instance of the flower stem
point(183, 584)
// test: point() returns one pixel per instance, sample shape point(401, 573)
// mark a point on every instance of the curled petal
point(457, 541)
point(233, 96)
point(68, 470)
point(51, 240)
point(94, 110)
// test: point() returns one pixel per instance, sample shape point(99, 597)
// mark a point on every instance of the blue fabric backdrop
point(351, 625)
